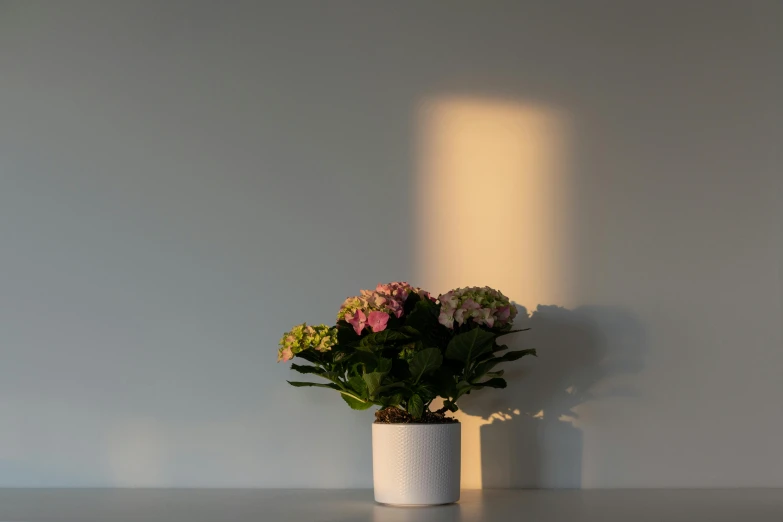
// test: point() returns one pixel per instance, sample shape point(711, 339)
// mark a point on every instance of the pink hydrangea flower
point(388, 298)
point(446, 318)
point(395, 307)
point(358, 320)
point(470, 305)
point(485, 316)
point(397, 291)
point(483, 306)
point(449, 301)
point(377, 321)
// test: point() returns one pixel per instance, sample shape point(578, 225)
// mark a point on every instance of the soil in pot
point(398, 416)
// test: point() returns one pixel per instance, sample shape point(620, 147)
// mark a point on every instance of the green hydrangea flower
point(303, 337)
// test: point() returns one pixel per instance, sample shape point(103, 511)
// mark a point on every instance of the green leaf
point(316, 384)
point(483, 368)
point(373, 381)
point(399, 371)
point(384, 365)
point(357, 384)
point(391, 386)
point(467, 346)
point(410, 331)
point(309, 356)
point(463, 385)
point(424, 315)
point(332, 376)
point(444, 382)
point(356, 405)
point(346, 334)
point(492, 383)
point(489, 354)
point(410, 302)
point(424, 361)
point(303, 368)
point(368, 359)
point(415, 407)
point(379, 339)
point(426, 392)
point(394, 400)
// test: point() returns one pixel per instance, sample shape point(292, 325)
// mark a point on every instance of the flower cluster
point(303, 337)
point(485, 306)
point(426, 348)
point(373, 307)
point(400, 291)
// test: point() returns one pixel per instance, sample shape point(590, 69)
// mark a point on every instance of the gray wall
point(182, 181)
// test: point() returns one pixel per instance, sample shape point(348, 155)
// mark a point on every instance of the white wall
point(182, 181)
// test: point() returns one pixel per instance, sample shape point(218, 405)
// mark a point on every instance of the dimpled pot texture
point(416, 464)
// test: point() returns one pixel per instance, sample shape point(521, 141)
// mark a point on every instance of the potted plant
point(398, 348)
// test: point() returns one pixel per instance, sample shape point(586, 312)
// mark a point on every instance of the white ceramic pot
point(416, 464)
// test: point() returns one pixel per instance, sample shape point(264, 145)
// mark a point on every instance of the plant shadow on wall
point(530, 437)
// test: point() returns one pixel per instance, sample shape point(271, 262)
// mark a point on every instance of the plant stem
point(349, 394)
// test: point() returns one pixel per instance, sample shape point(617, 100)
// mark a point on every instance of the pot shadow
point(530, 436)
point(383, 513)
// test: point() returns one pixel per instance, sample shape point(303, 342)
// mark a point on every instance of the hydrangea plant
point(397, 347)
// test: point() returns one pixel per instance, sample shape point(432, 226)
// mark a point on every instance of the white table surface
point(270, 505)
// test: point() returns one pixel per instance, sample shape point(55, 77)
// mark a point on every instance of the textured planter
point(416, 464)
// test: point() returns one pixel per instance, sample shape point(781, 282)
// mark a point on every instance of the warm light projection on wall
point(492, 209)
